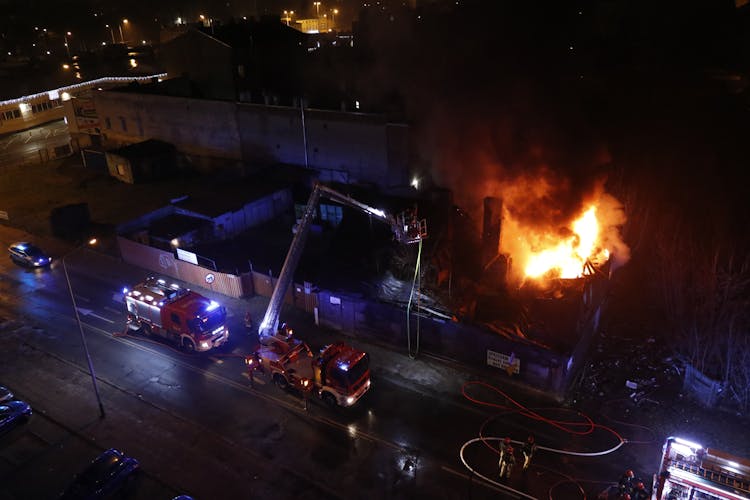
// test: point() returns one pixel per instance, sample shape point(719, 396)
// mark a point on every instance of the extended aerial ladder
point(406, 227)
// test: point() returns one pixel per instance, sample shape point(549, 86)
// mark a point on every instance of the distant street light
point(317, 9)
point(122, 38)
point(65, 37)
point(80, 328)
point(288, 16)
point(111, 32)
point(333, 17)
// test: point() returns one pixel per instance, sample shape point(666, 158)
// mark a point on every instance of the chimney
point(493, 210)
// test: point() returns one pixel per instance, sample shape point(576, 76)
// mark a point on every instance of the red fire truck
point(192, 321)
point(691, 471)
point(339, 374)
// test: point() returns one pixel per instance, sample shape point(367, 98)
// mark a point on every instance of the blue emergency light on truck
point(190, 320)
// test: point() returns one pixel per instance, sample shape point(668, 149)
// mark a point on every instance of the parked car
point(12, 414)
point(5, 394)
point(109, 472)
point(28, 255)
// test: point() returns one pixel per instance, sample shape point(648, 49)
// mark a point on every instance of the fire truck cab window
point(175, 319)
point(338, 377)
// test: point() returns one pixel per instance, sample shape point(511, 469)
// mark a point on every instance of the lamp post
point(122, 38)
point(333, 17)
point(80, 328)
point(111, 32)
point(65, 37)
point(317, 9)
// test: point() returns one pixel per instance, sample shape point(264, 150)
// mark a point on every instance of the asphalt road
point(33, 145)
point(198, 426)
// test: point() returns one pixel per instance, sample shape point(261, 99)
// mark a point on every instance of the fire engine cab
point(339, 374)
point(192, 321)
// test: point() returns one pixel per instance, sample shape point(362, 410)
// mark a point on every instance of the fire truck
point(691, 471)
point(190, 320)
point(339, 374)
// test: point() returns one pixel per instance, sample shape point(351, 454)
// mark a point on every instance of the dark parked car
point(105, 475)
point(5, 394)
point(13, 413)
point(28, 255)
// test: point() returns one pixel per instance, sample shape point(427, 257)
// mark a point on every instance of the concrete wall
point(196, 127)
point(349, 147)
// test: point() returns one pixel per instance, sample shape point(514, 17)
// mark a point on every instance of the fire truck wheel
point(146, 330)
point(280, 381)
point(329, 399)
point(188, 345)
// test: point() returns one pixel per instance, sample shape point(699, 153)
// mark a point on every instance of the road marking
point(216, 360)
point(115, 311)
point(256, 380)
point(89, 312)
point(78, 297)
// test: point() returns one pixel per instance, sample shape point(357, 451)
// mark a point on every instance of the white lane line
point(84, 299)
point(256, 380)
point(113, 311)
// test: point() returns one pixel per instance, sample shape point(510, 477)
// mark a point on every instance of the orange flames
point(567, 257)
point(540, 252)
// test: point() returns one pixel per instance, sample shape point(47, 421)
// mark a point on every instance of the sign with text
point(509, 363)
point(187, 256)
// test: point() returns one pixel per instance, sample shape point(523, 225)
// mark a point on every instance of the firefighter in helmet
point(503, 446)
point(639, 492)
point(626, 483)
point(507, 462)
point(528, 449)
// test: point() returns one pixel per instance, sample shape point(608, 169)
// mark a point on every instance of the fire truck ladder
point(406, 228)
point(737, 481)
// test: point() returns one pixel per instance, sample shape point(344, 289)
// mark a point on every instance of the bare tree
point(705, 290)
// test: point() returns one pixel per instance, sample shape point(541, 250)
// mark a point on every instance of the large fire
point(567, 257)
point(539, 251)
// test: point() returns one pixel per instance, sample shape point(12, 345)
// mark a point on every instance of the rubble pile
point(643, 371)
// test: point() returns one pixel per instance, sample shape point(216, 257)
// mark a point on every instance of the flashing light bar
point(378, 212)
point(106, 79)
point(213, 305)
point(695, 446)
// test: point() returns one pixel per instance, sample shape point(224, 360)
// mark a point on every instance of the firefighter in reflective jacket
point(503, 446)
point(507, 462)
point(528, 450)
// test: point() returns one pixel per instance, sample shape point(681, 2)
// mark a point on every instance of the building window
point(120, 169)
point(331, 214)
point(16, 113)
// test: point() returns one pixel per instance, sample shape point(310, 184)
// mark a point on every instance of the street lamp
point(111, 32)
point(80, 328)
point(65, 37)
point(119, 26)
point(333, 17)
point(288, 16)
point(317, 9)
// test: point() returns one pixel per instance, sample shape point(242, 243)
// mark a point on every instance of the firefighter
point(626, 482)
point(528, 450)
point(639, 492)
point(507, 462)
point(503, 446)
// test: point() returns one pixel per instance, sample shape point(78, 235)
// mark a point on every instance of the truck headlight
point(204, 344)
point(350, 400)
